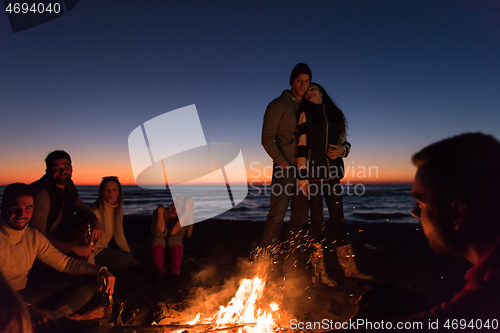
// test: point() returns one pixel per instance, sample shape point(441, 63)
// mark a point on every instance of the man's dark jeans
point(283, 190)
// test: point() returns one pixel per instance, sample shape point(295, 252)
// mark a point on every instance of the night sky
point(405, 73)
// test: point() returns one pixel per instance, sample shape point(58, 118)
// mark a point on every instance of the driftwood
point(158, 328)
point(170, 328)
point(225, 328)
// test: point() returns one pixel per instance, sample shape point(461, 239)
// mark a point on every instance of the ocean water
point(368, 203)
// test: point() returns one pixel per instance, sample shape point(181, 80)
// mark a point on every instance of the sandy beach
point(217, 255)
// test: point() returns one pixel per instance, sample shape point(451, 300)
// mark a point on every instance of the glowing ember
point(243, 310)
point(274, 306)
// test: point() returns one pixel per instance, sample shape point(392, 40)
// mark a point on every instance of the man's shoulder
point(42, 187)
point(41, 183)
point(285, 98)
point(41, 195)
point(46, 187)
point(32, 237)
point(35, 239)
point(284, 101)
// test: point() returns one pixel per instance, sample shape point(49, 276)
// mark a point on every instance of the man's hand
point(335, 151)
point(82, 251)
point(284, 165)
point(96, 230)
point(106, 281)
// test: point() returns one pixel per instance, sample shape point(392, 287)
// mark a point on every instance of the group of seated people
point(52, 246)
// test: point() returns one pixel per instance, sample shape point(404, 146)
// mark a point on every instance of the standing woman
point(109, 210)
point(321, 149)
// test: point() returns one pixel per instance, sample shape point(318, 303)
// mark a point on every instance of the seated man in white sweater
point(20, 245)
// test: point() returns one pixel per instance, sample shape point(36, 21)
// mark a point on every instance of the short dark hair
point(12, 192)
point(56, 155)
point(464, 167)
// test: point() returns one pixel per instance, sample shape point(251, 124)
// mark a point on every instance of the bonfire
point(250, 302)
point(252, 309)
point(243, 312)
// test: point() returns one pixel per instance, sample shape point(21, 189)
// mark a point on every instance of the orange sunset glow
point(91, 171)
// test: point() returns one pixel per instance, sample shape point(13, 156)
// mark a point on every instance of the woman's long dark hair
point(332, 107)
point(99, 203)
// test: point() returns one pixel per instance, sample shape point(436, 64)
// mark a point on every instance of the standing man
point(279, 139)
point(56, 202)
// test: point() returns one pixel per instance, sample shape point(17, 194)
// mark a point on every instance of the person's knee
point(122, 262)
point(128, 258)
point(89, 282)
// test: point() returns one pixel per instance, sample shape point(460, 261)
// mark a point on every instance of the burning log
point(159, 328)
point(230, 327)
point(170, 328)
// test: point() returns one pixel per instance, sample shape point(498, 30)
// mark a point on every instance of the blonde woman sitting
point(109, 210)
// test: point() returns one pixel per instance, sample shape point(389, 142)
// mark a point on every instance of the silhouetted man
point(457, 203)
point(457, 198)
point(56, 202)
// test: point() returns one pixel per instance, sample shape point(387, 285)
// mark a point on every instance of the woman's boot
point(159, 259)
point(346, 260)
point(176, 252)
point(318, 264)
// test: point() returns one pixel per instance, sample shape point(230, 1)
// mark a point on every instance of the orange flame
point(242, 309)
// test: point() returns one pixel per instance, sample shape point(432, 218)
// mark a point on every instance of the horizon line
point(395, 182)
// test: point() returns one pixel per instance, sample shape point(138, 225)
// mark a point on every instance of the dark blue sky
point(405, 73)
